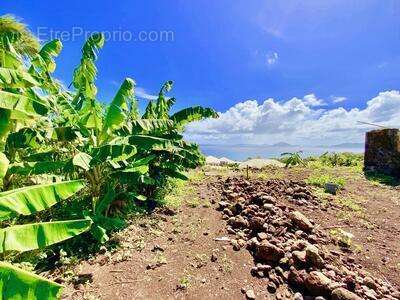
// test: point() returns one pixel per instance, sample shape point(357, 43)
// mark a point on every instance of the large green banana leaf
point(196, 113)
point(146, 142)
point(22, 107)
point(146, 126)
point(36, 167)
point(5, 123)
point(116, 113)
point(4, 162)
point(39, 235)
point(44, 59)
point(9, 59)
point(92, 114)
point(150, 112)
point(24, 138)
point(31, 199)
point(10, 78)
point(17, 284)
point(113, 152)
point(85, 73)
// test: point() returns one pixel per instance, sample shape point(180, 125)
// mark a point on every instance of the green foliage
point(16, 284)
point(292, 159)
point(320, 180)
point(344, 159)
point(63, 141)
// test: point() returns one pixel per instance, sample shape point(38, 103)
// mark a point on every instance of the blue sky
point(226, 52)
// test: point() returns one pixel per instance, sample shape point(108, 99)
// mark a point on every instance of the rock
point(237, 222)
point(222, 205)
point(271, 287)
point(250, 295)
point(262, 236)
point(371, 294)
point(235, 245)
point(157, 248)
point(256, 224)
point(343, 294)
point(297, 296)
point(369, 282)
point(313, 257)
point(299, 257)
point(214, 257)
point(252, 243)
point(297, 278)
point(268, 199)
point(227, 212)
point(301, 221)
point(266, 251)
point(318, 284)
point(331, 188)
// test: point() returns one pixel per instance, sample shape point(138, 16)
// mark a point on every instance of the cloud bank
point(303, 121)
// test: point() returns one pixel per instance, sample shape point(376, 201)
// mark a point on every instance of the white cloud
point(312, 100)
point(300, 121)
point(338, 99)
point(272, 58)
point(142, 93)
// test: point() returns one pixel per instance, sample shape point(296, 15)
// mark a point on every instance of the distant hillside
point(348, 145)
point(283, 144)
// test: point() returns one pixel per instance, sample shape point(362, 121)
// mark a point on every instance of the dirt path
point(167, 257)
point(186, 255)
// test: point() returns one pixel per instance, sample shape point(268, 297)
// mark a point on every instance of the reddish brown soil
point(183, 268)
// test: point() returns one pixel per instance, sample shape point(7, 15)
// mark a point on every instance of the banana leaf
point(36, 168)
point(116, 112)
point(10, 78)
point(39, 235)
point(31, 199)
point(196, 113)
point(22, 107)
point(4, 162)
point(18, 284)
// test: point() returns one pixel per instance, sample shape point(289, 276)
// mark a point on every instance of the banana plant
point(14, 282)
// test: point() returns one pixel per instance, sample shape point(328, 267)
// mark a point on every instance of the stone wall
point(382, 151)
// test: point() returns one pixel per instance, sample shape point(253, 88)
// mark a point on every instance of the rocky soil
point(297, 258)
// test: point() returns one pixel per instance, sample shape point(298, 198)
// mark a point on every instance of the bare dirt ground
point(186, 253)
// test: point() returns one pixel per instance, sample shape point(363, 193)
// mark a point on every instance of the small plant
point(320, 180)
point(292, 159)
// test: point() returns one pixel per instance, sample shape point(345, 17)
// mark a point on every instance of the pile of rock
point(287, 248)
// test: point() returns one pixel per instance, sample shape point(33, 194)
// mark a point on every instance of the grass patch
point(349, 204)
point(377, 178)
point(320, 180)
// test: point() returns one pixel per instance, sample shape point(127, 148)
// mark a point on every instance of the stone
point(268, 252)
point(268, 199)
point(343, 294)
point(238, 222)
point(318, 284)
point(256, 224)
point(250, 295)
point(222, 205)
point(331, 188)
point(301, 221)
point(235, 245)
point(299, 257)
point(297, 296)
point(262, 236)
point(313, 257)
point(214, 257)
point(271, 287)
point(369, 282)
point(297, 277)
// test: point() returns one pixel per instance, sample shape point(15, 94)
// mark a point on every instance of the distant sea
point(243, 152)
